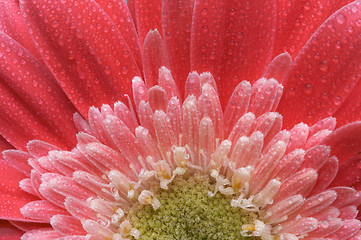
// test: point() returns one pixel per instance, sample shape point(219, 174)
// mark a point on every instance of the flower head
point(152, 133)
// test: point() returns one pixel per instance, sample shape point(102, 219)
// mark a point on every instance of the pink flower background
point(60, 57)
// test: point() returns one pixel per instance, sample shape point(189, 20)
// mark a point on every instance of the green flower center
point(188, 212)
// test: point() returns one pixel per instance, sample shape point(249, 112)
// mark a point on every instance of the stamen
point(147, 197)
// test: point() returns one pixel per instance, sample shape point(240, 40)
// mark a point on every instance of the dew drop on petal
point(338, 100)
point(308, 88)
point(340, 18)
point(324, 65)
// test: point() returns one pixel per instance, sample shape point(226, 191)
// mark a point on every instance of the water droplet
point(204, 12)
point(125, 70)
point(55, 24)
point(337, 100)
point(307, 88)
point(340, 18)
point(71, 55)
point(307, 6)
point(324, 224)
point(324, 65)
point(79, 34)
point(107, 70)
point(81, 72)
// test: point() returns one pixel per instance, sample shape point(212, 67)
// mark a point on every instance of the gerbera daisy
point(170, 120)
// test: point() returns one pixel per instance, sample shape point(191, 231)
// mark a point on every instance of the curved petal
point(131, 6)
point(349, 173)
point(297, 20)
point(9, 232)
point(33, 103)
point(12, 24)
point(345, 142)
point(233, 40)
point(83, 49)
point(177, 23)
point(119, 13)
point(149, 17)
point(154, 57)
point(12, 198)
point(278, 67)
point(28, 226)
point(326, 70)
point(4, 145)
point(350, 109)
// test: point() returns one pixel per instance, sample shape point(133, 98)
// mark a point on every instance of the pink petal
point(349, 228)
point(345, 196)
point(350, 108)
point(9, 232)
point(12, 24)
point(278, 68)
point(158, 99)
point(301, 182)
point(79, 209)
point(345, 142)
point(325, 124)
point(4, 145)
point(317, 203)
point(266, 95)
point(326, 174)
point(326, 227)
point(237, 105)
point(190, 122)
point(41, 234)
point(94, 184)
point(131, 6)
point(298, 136)
point(209, 106)
point(81, 124)
point(174, 113)
point(284, 208)
point(177, 22)
point(27, 186)
point(192, 85)
point(118, 12)
point(164, 132)
point(12, 197)
point(25, 89)
point(166, 81)
point(325, 71)
point(289, 164)
point(269, 124)
point(69, 188)
point(349, 172)
point(233, 40)
point(316, 157)
point(67, 225)
point(300, 226)
point(140, 91)
point(242, 127)
point(97, 127)
point(149, 17)
point(19, 160)
point(298, 20)
point(28, 226)
point(328, 213)
point(349, 212)
point(154, 57)
point(356, 236)
point(94, 54)
point(41, 210)
point(126, 115)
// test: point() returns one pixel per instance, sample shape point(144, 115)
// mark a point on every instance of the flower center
point(188, 211)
